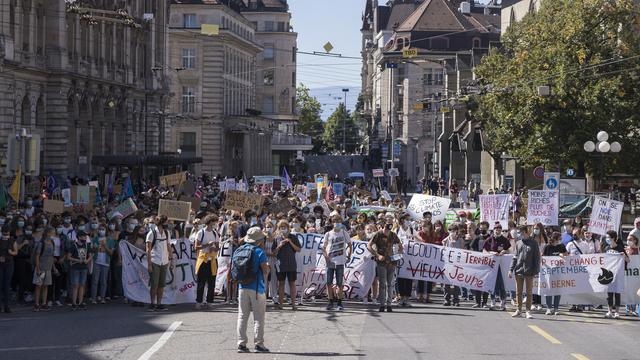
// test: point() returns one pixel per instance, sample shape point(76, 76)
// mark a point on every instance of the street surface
point(118, 331)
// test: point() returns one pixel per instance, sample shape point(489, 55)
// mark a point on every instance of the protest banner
point(53, 206)
point(338, 189)
point(282, 206)
point(230, 184)
point(605, 216)
point(422, 203)
point(378, 173)
point(542, 207)
point(459, 267)
point(195, 202)
point(224, 262)
point(174, 210)
point(173, 179)
point(242, 201)
point(125, 208)
point(181, 284)
point(276, 185)
point(495, 208)
point(82, 195)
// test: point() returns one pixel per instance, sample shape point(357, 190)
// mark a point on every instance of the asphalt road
point(118, 331)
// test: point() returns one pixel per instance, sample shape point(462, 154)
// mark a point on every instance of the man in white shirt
point(207, 244)
point(158, 260)
point(337, 250)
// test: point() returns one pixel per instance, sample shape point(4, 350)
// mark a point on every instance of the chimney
point(465, 7)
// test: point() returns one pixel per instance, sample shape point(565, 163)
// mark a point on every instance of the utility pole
point(391, 124)
point(344, 121)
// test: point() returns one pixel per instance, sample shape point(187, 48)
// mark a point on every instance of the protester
point(498, 245)
point(269, 249)
point(207, 244)
point(337, 250)
point(456, 241)
point(525, 265)
point(79, 254)
point(8, 250)
point(555, 248)
point(103, 247)
point(286, 247)
point(613, 245)
point(43, 267)
point(477, 244)
point(158, 244)
point(386, 247)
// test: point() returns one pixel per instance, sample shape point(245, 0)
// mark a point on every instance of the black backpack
point(242, 269)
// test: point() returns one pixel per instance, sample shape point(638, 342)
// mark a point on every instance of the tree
point(587, 53)
point(341, 120)
point(310, 122)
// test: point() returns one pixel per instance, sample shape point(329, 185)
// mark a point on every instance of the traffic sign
point(538, 172)
point(409, 53)
point(394, 172)
point(391, 65)
point(551, 180)
point(571, 172)
point(328, 47)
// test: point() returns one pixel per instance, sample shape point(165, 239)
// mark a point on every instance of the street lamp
point(603, 147)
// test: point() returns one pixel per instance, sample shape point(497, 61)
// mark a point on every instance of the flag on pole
point(287, 179)
point(52, 184)
point(198, 194)
point(127, 189)
point(14, 190)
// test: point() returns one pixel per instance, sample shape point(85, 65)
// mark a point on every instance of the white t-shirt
point(336, 243)
point(159, 253)
point(206, 237)
point(573, 246)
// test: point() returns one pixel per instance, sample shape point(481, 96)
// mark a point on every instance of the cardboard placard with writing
point(53, 206)
point(173, 179)
point(174, 210)
point(126, 208)
point(195, 202)
point(241, 201)
point(282, 206)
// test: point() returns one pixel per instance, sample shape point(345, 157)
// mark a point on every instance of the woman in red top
point(440, 232)
point(426, 235)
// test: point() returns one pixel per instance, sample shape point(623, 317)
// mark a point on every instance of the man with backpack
point(250, 268)
point(158, 259)
point(207, 244)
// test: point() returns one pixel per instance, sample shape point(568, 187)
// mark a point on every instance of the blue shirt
point(258, 258)
point(566, 238)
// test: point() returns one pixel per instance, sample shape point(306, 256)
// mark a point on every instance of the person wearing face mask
point(567, 230)
point(612, 245)
point(93, 228)
point(207, 244)
point(286, 247)
point(577, 246)
point(22, 234)
point(79, 255)
point(405, 286)
point(68, 230)
point(29, 209)
point(8, 250)
point(541, 236)
point(102, 248)
point(269, 247)
point(554, 248)
point(498, 245)
point(386, 247)
point(336, 250)
point(370, 232)
point(632, 249)
point(60, 273)
point(477, 244)
point(455, 241)
point(525, 265)
point(43, 270)
point(594, 244)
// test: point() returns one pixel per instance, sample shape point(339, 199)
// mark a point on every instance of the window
point(268, 77)
point(293, 79)
point(427, 79)
point(188, 100)
point(476, 43)
point(294, 53)
point(189, 58)
point(268, 52)
point(190, 21)
point(188, 143)
point(280, 26)
point(268, 26)
point(439, 78)
point(267, 105)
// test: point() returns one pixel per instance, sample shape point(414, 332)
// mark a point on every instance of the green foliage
point(310, 122)
point(588, 52)
point(341, 120)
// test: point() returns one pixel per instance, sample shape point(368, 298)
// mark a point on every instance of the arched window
point(25, 112)
point(477, 43)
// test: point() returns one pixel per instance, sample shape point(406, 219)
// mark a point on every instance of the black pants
point(480, 296)
point(206, 277)
point(22, 277)
point(404, 287)
point(6, 272)
point(613, 300)
point(58, 283)
point(421, 287)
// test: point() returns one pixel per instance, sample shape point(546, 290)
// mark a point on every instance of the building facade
point(87, 77)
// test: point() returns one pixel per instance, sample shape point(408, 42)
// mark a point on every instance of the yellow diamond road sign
point(328, 47)
point(409, 53)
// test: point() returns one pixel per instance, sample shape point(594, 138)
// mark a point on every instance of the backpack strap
point(155, 239)
point(576, 245)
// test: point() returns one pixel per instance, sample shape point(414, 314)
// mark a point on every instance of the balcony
point(290, 142)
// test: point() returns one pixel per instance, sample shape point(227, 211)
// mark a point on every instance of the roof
point(441, 15)
point(399, 12)
point(382, 18)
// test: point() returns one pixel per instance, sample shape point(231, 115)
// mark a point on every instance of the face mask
point(45, 222)
point(536, 232)
point(5, 237)
point(39, 230)
point(102, 232)
point(112, 227)
point(29, 203)
point(28, 232)
point(338, 226)
point(81, 227)
point(94, 226)
point(67, 220)
point(20, 224)
point(608, 240)
point(438, 229)
point(152, 227)
point(131, 227)
point(630, 243)
point(295, 225)
point(285, 232)
point(59, 230)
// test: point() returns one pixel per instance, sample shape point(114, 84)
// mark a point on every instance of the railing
point(280, 138)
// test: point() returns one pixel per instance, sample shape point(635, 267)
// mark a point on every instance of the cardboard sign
point(422, 203)
point(338, 189)
point(195, 202)
point(282, 206)
point(277, 185)
point(242, 201)
point(53, 206)
point(126, 208)
point(605, 216)
point(542, 207)
point(174, 210)
point(173, 179)
point(82, 195)
point(378, 173)
point(495, 208)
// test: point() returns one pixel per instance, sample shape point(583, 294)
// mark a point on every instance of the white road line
point(160, 343)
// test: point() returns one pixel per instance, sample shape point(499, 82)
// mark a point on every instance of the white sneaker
point(539, 307)
point(58, 303)
point(517, 313)
point(616, 315)
point(493, 304)
point(556, 313)
point(529, 315)
point(608, 315)
point(548, 312)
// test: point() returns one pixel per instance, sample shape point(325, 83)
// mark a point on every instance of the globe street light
point(603, 147)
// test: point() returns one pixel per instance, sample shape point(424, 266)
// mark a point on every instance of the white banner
point(224, 262)
point(542, 207)
point(469, 269)
point(181, 284)
point(605, 216)
point(422, 203)
point(495, 208)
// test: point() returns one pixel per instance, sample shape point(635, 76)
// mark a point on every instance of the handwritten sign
point(378, 173)
point(542, 207)
point(126, 208)
point(83, 195)
point(422, 203)
point(605, 216)
point(242, 201)
point(53, 206)
point(495, 208)
point(173, 179)
point(277, 184)
point(174, 210)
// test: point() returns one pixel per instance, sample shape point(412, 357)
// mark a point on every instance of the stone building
point(87, 76)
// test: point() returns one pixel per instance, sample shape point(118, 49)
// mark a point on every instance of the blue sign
point(551, 183)
point(571, 172)
point(338, 189)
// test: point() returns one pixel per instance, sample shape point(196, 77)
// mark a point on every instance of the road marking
point(160, 343)
point(38, 348)
point(544, 334)
point(580, 357)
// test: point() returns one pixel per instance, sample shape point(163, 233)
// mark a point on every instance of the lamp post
point(603, 147)
point(344, 121)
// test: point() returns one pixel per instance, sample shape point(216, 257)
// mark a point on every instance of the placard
point(243, 201)
point(378, 173)
point(495, 208)
point(174, 210)
point(53, 206)
point(421, 203)
point(83, 195)
point(195, 202)
point(33, 188)
point(173, 179)
point(126, 208)
point(605, 216)
point(277, 184)
point(542, 207)
point(282, 206)
point(338, 189)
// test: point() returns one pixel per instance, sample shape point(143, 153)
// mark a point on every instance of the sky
point(318, 22)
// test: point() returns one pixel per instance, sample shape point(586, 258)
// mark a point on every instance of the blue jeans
point(338, 272)
point(499, 290)
point(6, 273)
point(386, 277)
point(556, 302)
point(78, 277)
point(99, 277)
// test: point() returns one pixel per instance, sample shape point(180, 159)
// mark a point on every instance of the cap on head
point(254, 236)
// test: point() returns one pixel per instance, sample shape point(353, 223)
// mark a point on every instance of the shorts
point(48, 280)
point(290, 275)
point(78, 276)
point(338, 272)
point(158, 278)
